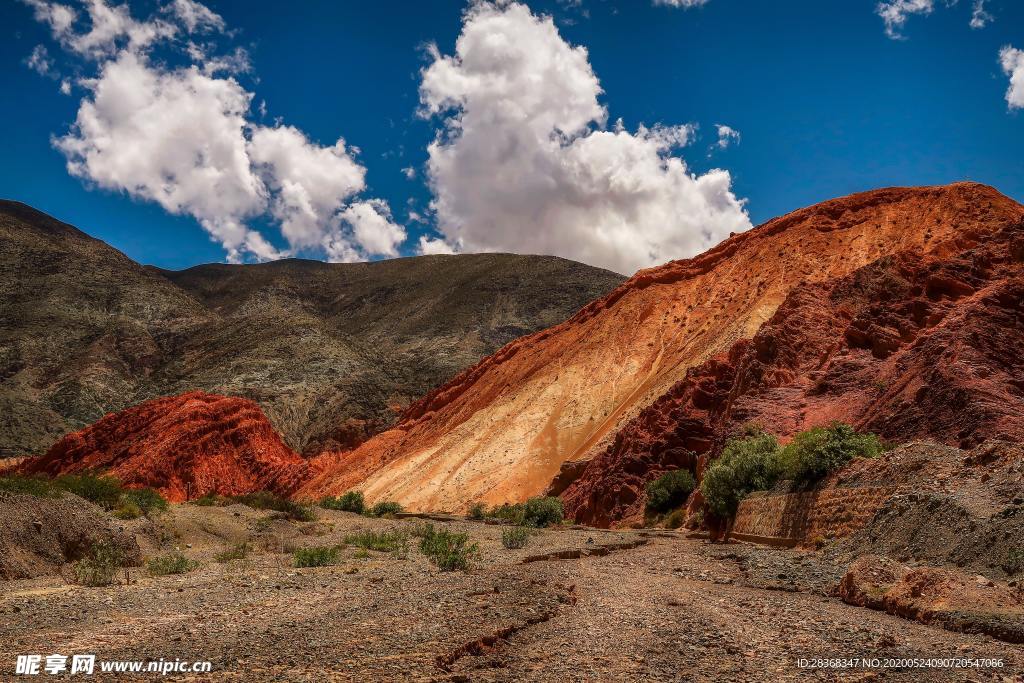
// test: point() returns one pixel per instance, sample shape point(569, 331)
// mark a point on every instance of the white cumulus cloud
point(979, 16)
point(1012, 61)
point(182, 136)
point(726, 136)
point(430, 245)
point(39, 61)
point(681, 3)
point(524, 162)
point(895, 12)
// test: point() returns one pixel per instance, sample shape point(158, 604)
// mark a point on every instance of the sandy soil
point(671, 608)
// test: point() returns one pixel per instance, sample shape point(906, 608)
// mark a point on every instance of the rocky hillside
point(916, 344)
point(331, 352)
point(505, 428)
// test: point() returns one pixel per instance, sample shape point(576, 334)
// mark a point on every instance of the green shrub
point(148, 500)
point(749, 463)
point(670, 490)
point(351, 501)
point(101, 490)
point(265, 500)
point(510, 512)
point(100, 567)
point(477, 511)
point(676, 519)
point(128, 510)
point(211, 500)
point(543, 511)
point(382, 541)
point(449, 551)
point(173, 563)
point(815, 453)
point(421, 529)
point(41, 487)
point(384, 508)
point(515, 537)
point(320, 556)
point(238, 552)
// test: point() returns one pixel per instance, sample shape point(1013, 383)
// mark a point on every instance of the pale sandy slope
point(501, 430)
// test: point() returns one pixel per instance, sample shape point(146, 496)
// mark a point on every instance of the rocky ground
point(576, 604)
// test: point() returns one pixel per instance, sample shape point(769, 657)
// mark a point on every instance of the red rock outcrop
point(184, 446)
point(932, 595)
point(502, 429)
point(921, 343)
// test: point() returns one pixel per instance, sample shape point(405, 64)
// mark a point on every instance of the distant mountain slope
point(82, 328)
point(331, 352)
point(503, 429)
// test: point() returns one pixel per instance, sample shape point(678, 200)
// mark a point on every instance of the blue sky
point(824, 101)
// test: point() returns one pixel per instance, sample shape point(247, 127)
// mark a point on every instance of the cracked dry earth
point(587, 606)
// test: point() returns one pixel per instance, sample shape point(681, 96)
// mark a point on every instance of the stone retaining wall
point(800, 518)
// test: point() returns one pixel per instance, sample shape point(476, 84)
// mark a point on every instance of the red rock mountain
point(913, 345)
point(884, 292)
point(184, 446)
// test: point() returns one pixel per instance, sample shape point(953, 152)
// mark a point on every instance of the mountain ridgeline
point(332, 353)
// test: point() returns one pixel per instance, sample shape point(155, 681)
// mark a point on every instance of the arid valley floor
point(575, 604)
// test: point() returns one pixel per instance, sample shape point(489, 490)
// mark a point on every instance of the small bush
point(148, 500)
point(238, 552)
point(321, 556)
point(211, 500)
point(173, 563)
point(421, 529)
point(515, 537)
point(384, 509)
point(749, 463)
point(514, 512)
point(383, 542)
point(676, 519)
point(543, 511)
point(101, 490)
point(815, 453)
point(352, 501)
point(264, 500)
point(449, 551)
point(41, 487)
point(1014, 562)
point(670, 490)
point(128, 510)
point(477, 511)
point(101, 566)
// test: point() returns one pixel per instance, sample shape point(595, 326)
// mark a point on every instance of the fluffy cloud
point(524, 162)
point(979, 17)
point(429, 245)
point(39, 61)
point(1012, 61)
point(196, 17)
point(681, 3)
point(182, 137)
point(726, 136)
point(895, 12)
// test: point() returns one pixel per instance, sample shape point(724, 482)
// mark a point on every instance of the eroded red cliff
point(184, 446)
point(916, 344)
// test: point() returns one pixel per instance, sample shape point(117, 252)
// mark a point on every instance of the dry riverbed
point(575, 604)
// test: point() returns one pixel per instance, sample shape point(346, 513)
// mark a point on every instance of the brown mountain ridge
point(330, 352)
